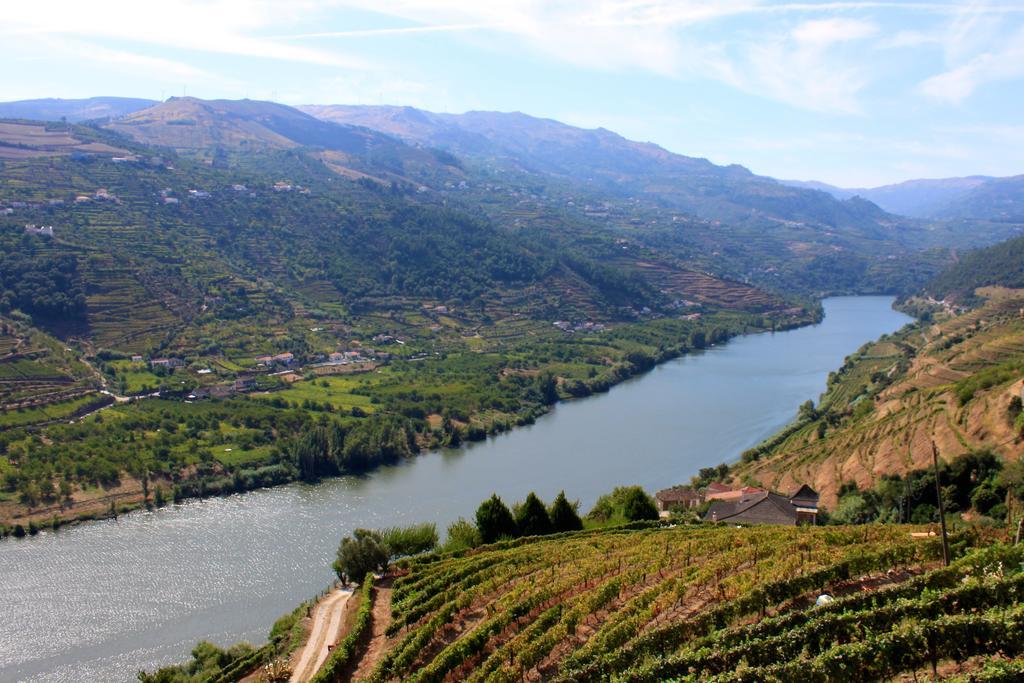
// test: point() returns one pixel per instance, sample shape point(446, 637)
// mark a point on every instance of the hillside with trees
point(1001, 264)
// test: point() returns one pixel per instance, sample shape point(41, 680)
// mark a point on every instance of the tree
point(807, 411)
point(360, 554)
point(547, 385)
point(625, 504)
point(563, 515)
point(494, 521)
point(532, 517)
point(637, 505)
point(410, 540)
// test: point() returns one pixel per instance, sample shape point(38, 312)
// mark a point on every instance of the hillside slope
point(721, 219)
point(1001, 264)
point(949, 382)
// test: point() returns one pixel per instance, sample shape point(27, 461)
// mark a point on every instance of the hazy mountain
point(190, 123)
point(605, 161)
point(999, 200)
point(923, 198)
point(209, 128)
point(55, 109)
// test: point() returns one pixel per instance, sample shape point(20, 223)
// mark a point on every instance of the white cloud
point(221, 26)
point(679, 38)
point(820, 33)
point(1004, 63)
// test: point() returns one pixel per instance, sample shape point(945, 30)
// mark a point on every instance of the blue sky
point(853, 93)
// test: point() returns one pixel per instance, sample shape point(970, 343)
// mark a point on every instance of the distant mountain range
point(607, 162)
point(971, 197)
point(568, 184)
point(75, 111)
point(600, 158)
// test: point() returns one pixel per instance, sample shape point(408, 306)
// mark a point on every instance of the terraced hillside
point(40, 380)
point(950, 382)
point(656, 603)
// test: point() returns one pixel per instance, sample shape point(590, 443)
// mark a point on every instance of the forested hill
point(1001, 264)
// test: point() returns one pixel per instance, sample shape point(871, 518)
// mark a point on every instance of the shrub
point(462, 535)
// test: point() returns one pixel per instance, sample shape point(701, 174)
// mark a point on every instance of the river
point(101, 600)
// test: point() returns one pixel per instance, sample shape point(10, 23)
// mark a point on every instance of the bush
point(462, 535)
point(627, 503)
point(638, 506)
point(984, 499)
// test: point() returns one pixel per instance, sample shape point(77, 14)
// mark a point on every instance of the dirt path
point(380, 618)
point(326, 627)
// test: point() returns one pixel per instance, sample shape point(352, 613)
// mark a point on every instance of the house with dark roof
point(675, 498)
point(766, 507)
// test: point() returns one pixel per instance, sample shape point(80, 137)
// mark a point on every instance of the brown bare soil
point(380, 619)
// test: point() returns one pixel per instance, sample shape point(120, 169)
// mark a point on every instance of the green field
point(334, 390)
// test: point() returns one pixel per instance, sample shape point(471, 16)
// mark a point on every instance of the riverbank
point(99, 601)
point(578, 369)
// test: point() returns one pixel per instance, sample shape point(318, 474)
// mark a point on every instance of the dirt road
point(327, 617)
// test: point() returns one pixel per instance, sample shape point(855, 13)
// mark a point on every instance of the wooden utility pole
point(942, 508)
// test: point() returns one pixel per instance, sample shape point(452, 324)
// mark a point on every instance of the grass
point(136, 376)
point(53, 411)
point(337, 393)
point(231, 455)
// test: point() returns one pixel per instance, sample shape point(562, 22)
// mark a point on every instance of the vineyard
point(649, 603)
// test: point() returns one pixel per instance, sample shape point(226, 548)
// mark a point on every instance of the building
point(167, 363)
point(677, 497)
point(766, 507)
point(45, 230)
point(717, 491)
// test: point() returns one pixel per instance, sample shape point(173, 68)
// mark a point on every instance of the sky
point(857, 94)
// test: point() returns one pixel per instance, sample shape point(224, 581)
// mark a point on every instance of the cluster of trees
point(328, 448)
point(495, 521)
point(38, 280)
point(977, 481)
point(368, 551)
point(1001, 264)
point(623, 505)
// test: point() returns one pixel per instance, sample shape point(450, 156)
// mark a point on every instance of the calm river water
point(99, 601)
